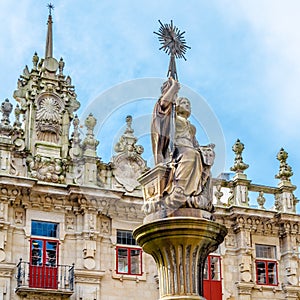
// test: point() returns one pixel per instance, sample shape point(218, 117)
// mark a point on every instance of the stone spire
point(47, 102)
point(49, 39)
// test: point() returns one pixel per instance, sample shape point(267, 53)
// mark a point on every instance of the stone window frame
point(266, 257)
point(129, 259)
point(127, 243)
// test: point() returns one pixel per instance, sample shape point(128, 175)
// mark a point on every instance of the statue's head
point(183, 106)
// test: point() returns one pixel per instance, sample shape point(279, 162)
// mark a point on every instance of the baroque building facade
point(67, 217)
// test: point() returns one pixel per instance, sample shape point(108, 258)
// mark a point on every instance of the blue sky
point(244, 63)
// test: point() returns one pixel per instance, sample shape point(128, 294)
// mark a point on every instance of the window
point(43, 252)
point(266, 265)
point(43, 255)
point(44, 229)
point(129, 259)
point(125, 237)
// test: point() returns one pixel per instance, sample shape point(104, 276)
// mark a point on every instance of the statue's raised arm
point(161, 121)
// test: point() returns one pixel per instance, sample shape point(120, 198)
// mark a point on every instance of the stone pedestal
point(179, 245)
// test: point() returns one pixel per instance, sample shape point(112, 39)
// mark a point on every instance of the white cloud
point(276, 24)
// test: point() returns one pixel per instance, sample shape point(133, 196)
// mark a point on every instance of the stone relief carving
point(47, 169)
point(70, 220)
point(128, 165)
point(48, 118)
point(19, 217)
point(245, 268)
point(105, 225)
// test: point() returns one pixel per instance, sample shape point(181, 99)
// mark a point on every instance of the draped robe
point(187, 166)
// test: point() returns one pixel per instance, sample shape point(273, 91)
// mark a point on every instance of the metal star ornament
point(173, 43)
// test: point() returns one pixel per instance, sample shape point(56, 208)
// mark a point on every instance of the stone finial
point(17, 122)
point(26, 72)
point(129, 130)
point(90, 143)
point(6, 109)
point(61, 65)
point(285, 171)
point(76, 126)
point(75, 150)
point(90, 123)
point(35, 60)
point(239, 166)
point(127, 141)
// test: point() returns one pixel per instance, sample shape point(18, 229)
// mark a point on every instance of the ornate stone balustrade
point(239, 191)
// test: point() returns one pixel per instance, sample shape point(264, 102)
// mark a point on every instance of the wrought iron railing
point(60, 277)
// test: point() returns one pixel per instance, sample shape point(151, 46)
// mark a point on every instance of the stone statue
point(174, 144)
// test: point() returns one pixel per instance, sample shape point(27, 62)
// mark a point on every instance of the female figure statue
point(189, 163)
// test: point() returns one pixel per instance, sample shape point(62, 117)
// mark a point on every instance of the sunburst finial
point(173, 43)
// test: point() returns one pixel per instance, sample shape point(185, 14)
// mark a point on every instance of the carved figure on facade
point(128, 164)
point(174, 144)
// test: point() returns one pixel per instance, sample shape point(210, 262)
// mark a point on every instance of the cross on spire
point(50, 7)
